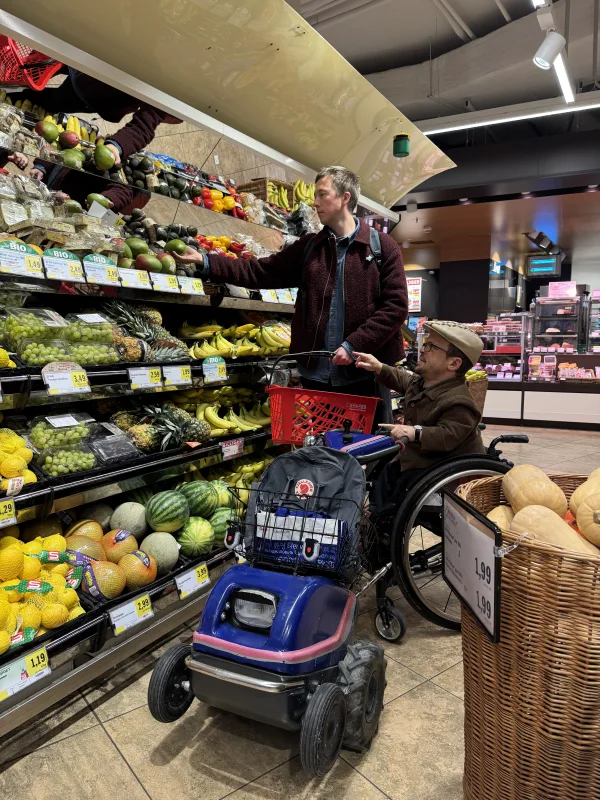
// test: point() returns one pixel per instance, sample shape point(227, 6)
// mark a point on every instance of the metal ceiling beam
point(458, 18)
point(451, 21)
point(503, 10)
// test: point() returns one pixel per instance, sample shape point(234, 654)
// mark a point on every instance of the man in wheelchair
point(440, 417)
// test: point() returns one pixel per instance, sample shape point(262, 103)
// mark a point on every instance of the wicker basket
point(478, 391)
point(532, 702)
point(258, 187)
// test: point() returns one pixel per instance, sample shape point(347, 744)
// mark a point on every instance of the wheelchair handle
point(289, 356)
point(389, 452)
point(510, 438)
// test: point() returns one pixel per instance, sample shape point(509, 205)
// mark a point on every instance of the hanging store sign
point(562, 289)
point(414, 286)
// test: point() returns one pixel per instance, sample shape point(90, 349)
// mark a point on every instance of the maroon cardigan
point(376, 301)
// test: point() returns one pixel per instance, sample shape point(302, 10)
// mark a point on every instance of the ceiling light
point(549, 50)
point(560, 67)
point(427, 229)
point(538, 3)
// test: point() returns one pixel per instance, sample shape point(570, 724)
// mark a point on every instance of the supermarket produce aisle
point(103, 743)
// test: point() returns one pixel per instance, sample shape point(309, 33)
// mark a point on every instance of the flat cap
point(459, 335)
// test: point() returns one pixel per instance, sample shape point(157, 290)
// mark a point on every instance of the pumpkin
point(588, 517)
point(527, 485)
point(546, 526)
point(591, 486)
point(502, 516)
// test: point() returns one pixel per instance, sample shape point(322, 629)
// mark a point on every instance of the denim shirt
point(334, 334)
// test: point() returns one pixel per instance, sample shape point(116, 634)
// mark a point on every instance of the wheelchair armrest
point(384, 455)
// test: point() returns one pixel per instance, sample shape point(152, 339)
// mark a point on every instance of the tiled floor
point(103, 743)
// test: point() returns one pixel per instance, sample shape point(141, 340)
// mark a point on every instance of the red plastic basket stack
point(22, 66)
point(297, 412)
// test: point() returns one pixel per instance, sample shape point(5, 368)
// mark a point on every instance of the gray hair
point(343, 180)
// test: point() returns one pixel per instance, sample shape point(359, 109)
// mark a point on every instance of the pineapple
point(124, 420)
point(145, 437)
point(141, 327)
point(196, 431)
point(151, 314)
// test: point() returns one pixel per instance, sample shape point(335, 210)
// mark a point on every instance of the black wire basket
point(304, 534)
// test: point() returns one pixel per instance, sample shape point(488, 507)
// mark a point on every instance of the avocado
point(148, 262)
point(176, 246)
point(103, 157)
point(162, 188)
point(139, 184)
point(98, 198)
point(138, 175)
point(191, 231)
point(161, 232)
point(137, 213)
point(137, 246)
point(147, 164)
point(127, 251)
point(195, 190)
point(127, 170)
point(134, 162)
point(185, 198)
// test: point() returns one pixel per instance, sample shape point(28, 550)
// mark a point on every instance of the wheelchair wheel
point(390, 624)
point(169, 692)
point(417, 538)
point(323, 729)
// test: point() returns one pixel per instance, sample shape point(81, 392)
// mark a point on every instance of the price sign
point(145, 377)
point(284, 296)
point(164, 283)
point(23, 671)
point(192, 580)
point(269, 295)
point(101, 270)
point(62, 265)
point(65, 378)
point(214, 369)
point(20, 259)
point(130, 614)
point(294, 294)
point(134, 278)
point(232, 449)
point(8, 515)
point(177, 375)
point(471, 562)
point(190, 285)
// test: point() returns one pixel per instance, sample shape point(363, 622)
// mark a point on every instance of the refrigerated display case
point(560, 325)
point(594, 326)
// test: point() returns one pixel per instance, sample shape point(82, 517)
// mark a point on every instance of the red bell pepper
point(197, 201)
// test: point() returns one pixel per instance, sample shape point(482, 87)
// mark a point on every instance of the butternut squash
point(588, 517)
point(502, 516)
point(546, 526)
point(591, 486)
point(595, 475)
point(527, 485)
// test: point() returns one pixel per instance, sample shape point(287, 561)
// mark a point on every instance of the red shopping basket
point(297, 412)
point(21, 65)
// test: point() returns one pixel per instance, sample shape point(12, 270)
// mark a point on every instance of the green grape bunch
point(44, 435)
point(65, 462)
point(38, 354)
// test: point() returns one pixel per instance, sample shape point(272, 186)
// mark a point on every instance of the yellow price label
point(198, 286)
point(143, 276)
point(7, 511)
point(79, 379)
point(143, 605)
point(112, 274)
point(202, 573)
point(154, 375)
point(33, 264)
point(186, 373)
point(36, 662)
point(222, 370)
point(172, 282)
point(75, 269)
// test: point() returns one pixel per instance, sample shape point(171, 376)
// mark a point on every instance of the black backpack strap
point(375, 245)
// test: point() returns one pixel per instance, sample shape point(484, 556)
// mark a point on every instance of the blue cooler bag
point(363, 444)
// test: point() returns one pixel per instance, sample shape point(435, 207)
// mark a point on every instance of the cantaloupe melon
point(99, 512)
point(130, 517)
point(546, 526)
point(164, 549)
point(502, 516)
point(527, 485)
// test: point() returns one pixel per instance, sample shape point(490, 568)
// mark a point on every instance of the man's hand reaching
point(368, 362)
point(190, 256)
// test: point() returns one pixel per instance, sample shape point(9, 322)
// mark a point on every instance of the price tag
point(294, 294)
point(145, 377)
point(269, 295)
point(214, 369)
point(192, 580)
point(62, 265)
point(284, 296)
point(134, 278)
point(23, 671)
point(470, 561)
point(20, 259)
point(65, 379)
point(91, 318)
point(101, 270)
point(190, 285)
point(164, 283)
point(232, 449)
point(130, 614)
point(62, 421)
point(8, 515)
point(177, 375)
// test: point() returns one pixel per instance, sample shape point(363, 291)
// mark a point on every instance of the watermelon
point(167, 511)
point(202, 497)
point(226, 498)
point(197, 537)
point(220, 521)
point(140, 496)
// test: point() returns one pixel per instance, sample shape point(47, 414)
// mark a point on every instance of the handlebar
point(388, 453)
point(327, 353)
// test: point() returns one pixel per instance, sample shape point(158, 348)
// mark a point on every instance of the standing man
point(350, 298)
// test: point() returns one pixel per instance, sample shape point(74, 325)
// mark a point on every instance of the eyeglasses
point(429, 346)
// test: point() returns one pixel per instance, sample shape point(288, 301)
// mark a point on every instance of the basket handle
point(327, 353)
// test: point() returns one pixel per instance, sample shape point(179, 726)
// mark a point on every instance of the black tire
point(323, 728)
point(449, 472)
point(396, 627)
point(362, 675)
point(168, 699)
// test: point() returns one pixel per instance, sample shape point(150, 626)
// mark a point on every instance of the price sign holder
point(192, 580)
point(65, 378)
point(472, 560)
point(177, 375)
point(164, 283)
point(23, 671)
point(101, 270)
point(284, 296)
point(232, 448)
point(214, 369)
point(134, 278)
point(62, 265)
point(130, 614)
point(17, 258)
point(190, 285)
point(145, 377)
point(269, 296)
point(8, 514)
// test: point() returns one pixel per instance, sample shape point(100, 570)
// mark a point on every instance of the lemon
point(58, 569)
point(4, 612)
point(12, 365)
point(58, 581)
point(25, 453)
point(54, 542)
point(4, 641)
point(11, 594)
point(54, 615)
point(32, 548)
point(31, 616)
point(11, 563)
point(7, 433)
point(9, 541)
point(11, 446)
point(68, 597)
point(11, 623)
point(29, 476)
point(41, 632)
point(76, 611)
point(4, 358)
point(12, 466)
point(31, 569)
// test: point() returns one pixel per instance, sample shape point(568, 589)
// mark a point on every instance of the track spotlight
point(549, 50)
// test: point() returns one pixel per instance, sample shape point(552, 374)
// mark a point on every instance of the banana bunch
point(205, 331)
point(304, 193)
point(278, 196)
point(226, 396)
point(476, 375)
point(225, 423)
point(273, 340)
point(244, 467)
point(217, 346)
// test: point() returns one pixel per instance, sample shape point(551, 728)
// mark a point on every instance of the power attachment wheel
point(323, 728)
point(170, 692)
point(362, 676)
point(390, 624)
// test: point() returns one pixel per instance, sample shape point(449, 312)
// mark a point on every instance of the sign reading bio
point(414, 286)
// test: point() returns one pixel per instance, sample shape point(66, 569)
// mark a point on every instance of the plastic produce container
point(114, 449)
point(89, 329)
point(33, 323)
point(57, 462)
point(38, 354)
point(62, 429)
point(90, 354)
